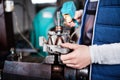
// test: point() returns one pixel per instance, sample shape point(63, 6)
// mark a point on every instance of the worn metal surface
point(38, 70)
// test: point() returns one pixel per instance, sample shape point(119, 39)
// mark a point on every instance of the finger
point(69, 24)
point(73, 66)
point(76, 18)
point(78, 14)
point(69, 45)
point(70, 65)
point(65, 57)
point(68, 61)
point(68, 56)
point(72, 24)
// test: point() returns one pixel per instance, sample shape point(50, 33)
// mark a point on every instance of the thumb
point(78, 14)
point(69, 45)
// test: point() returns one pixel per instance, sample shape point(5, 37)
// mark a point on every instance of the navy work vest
point(106, 30)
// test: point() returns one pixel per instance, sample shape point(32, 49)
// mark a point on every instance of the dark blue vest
point(106, 30)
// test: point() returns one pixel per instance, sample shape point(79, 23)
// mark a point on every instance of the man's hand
point(78, 15)
point(69, 22)
point(78, 58)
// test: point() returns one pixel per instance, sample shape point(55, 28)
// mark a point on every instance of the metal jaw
point(51, 47)
point(54, 49)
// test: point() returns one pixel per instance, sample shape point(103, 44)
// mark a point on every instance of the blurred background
point(22, 22)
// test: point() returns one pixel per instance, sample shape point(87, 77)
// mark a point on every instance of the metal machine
point(15, 70)
point(52, 46)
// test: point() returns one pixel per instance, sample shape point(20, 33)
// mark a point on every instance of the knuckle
point(61, 58)
point(77, 66)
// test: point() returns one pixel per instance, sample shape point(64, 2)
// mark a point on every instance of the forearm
point(105, 54)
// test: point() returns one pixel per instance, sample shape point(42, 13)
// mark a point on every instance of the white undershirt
point(105, 54)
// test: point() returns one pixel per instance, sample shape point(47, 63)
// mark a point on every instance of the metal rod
point(58, 18)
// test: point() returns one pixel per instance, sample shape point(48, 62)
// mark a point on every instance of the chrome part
point(9, 5)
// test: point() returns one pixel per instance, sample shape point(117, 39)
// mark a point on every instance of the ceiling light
point(43, 1)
